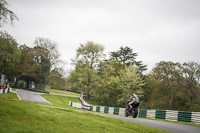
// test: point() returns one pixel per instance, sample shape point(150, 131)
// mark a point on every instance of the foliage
point(28, 68)
point(57, 81)
point(51, 51)
point(9, 54)
point(110, 81)
point(85, 77)
point(174, 86)
point(89, 54)
point(107, 89)
point(6, 15)
point(125, 55)
point(115, 88)
point(131, 82)
point(40, 56)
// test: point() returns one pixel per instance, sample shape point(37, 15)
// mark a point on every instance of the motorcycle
point(132, 110)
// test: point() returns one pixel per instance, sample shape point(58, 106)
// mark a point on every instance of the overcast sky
point(158, 30)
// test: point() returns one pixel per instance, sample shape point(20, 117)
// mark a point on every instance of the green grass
point(14, 89)
point(27, 117)
point(60, 101)
point(64, 92)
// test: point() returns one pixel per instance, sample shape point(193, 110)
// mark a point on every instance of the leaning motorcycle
point(131, 110)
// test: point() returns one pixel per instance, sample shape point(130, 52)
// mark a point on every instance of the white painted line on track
point(18, 95)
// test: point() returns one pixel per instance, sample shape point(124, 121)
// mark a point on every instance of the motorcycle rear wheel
point(126, 113)
point(135, 112)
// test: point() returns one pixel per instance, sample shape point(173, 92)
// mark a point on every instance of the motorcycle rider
point(133, 102)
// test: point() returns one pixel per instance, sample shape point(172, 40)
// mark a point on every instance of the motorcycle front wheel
point(126, 113)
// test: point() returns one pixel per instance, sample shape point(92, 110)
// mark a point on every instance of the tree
point(89, 54)
point(173, 86)
point(191, 84)
point(9, 54)
point(85, 75)
point(51, 49)
point(6, 15)
point(57, 81)
point(85, 79)
point(28, 69)
point(130, 82)
point(40, 56)
point(115, 88)
point(108, 89)
point(167, 73)
point(126, 56)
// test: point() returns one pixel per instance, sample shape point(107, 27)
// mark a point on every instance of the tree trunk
point(27, 84)
point(2, 71)
point(16, 82)
point(171, 99)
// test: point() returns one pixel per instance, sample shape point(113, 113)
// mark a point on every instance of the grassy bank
point(64, 92)
point(21, 116)
point(60, 101)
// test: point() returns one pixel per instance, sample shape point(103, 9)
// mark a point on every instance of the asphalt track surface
point(167, 126)
point(31, 96)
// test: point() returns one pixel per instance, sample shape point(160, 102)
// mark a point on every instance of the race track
point(167, 126)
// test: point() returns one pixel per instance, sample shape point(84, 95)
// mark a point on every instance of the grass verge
point(21, 116)
point(62, 101)
point(64, 92)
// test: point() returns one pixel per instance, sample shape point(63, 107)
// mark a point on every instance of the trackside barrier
point(184, 116)
point(82, 100)
point(142, 113)
point(121, 111)
point(172, 115)
point(195, 117)
point(76, 105)
point(101, 109)
point(5, 90)
point(151, 113)
point(106, 109)
point(160, 114)
point(111, 110)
